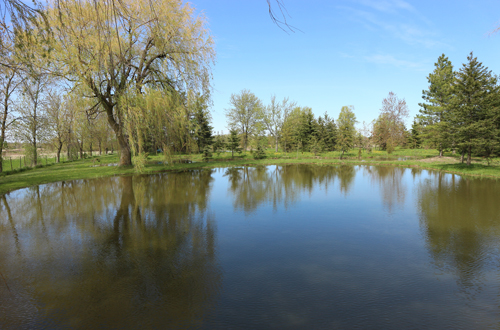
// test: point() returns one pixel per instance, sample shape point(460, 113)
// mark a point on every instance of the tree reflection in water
point(110, 253)
point(252, 186)
point(461, 225)
point(142, 251)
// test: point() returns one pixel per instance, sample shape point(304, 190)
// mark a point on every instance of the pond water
point(279, 247)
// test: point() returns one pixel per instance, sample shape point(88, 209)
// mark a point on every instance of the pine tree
point(435, 111)
point(203, 130)
point(218, 145)
point(475, 108)
point(415, 139)
point(331, 133)
point(307, 127)
point(234, 142)
point(207, 153)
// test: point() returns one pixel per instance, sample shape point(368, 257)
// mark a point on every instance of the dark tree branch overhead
point(21, 15)
point(281, 23)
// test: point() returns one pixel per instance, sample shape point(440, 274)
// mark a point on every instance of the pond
point(278, 247)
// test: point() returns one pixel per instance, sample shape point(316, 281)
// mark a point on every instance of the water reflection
point(126, 252)
point(392, 186)
point(461, 222)
point(250, 187)
point(347, 247)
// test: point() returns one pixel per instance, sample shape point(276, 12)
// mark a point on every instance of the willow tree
point(115, 48)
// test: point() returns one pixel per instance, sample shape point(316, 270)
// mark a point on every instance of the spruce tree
point(475, 108)
point(203, 130)
point(331, 133)
point(435, 111)
point(234, 142)
point(218, 145)
point(415, 139)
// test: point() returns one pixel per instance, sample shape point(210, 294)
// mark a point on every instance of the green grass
point(91, 168)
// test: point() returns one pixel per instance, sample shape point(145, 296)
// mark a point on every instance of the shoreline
point(86, 168)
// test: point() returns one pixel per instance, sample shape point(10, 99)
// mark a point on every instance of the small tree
point(316, 145)
point(260, 151)
point(207, 153)
point(218, 145)
point(234, 142)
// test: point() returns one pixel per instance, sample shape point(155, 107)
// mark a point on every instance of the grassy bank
point(104, 166)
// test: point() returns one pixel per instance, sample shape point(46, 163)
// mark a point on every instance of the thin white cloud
point(387, 6)
point(391, 60)
point(396, 18)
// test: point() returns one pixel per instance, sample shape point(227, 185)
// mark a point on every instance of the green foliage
point(476, 109)
point(390, 124)
point(219, 145)
point(234, 142)
point(346, 130)
point(202, 129)
point(316, 146)
point(436, 110)
point(245, 114)
point(30, 154)
point(327, 131)
point(260, 151)
point(139, 162)
point(207, 153)
point(415, 138)
point(390, 146)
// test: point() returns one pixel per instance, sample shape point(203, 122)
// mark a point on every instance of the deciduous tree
point(346, 129)
point(244, 114)
point(115, 48)
point(275, 115)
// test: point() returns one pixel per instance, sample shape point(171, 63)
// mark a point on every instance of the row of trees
point(461, 109)
point(460, 112)
point(292, 127)
point(295, 128)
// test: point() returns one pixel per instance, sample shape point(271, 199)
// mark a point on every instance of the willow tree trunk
point(125, 154)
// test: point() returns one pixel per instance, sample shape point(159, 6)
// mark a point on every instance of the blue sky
point(350, 52)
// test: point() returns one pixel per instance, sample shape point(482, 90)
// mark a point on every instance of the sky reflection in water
point(262, 247)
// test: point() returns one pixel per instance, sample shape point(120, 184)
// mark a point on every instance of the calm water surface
point(284, 247)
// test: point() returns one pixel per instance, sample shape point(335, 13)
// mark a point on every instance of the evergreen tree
point(316, 145)
point(306, 128)
point(476, 108)
point(207, 153)
point(435, 111)
point(415, 138)
point(346, 130)
point(260, 151)
point(218, 145)
point(203, 130)
point(330, 137)
point(234, 142)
